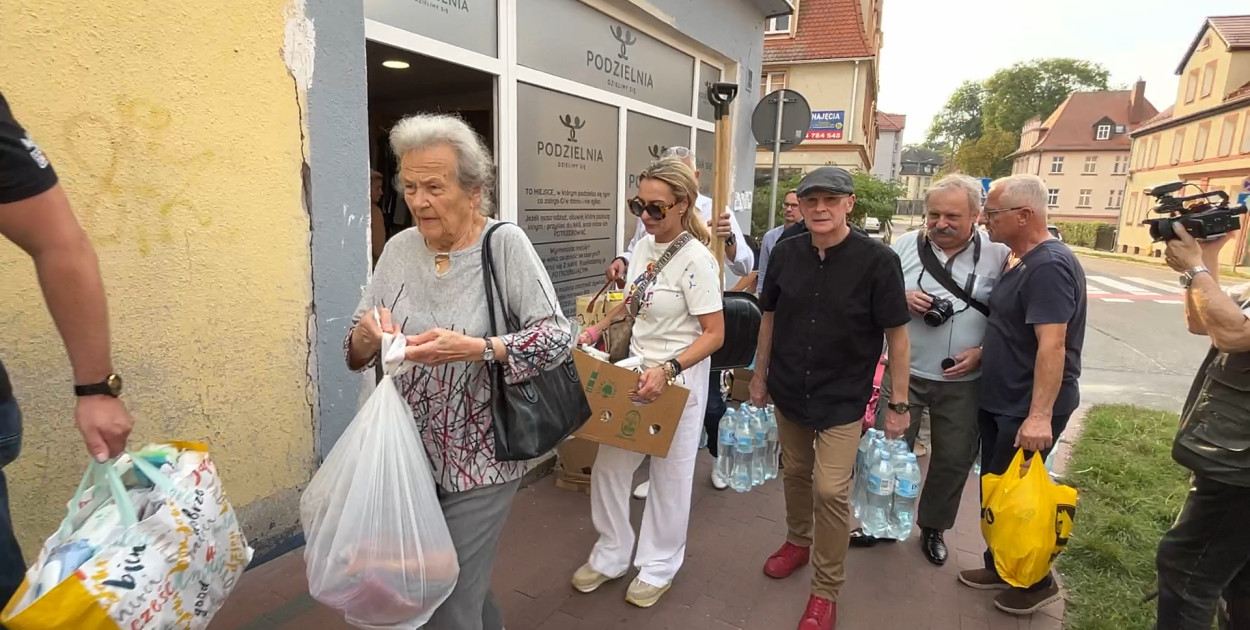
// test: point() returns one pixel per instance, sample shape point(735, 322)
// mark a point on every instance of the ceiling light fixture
point(395, 64)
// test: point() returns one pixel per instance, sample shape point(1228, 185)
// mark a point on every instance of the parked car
point(872, 225)
point(1054, 231)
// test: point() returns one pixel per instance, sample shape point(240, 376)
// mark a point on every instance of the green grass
point(1130, 491)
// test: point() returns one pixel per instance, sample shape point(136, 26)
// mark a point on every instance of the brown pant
point(817, 479)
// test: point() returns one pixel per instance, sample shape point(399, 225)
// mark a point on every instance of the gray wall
point(735, 28)
point(336, 183)
point(889, 152)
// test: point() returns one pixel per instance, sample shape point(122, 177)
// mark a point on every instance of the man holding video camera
point(1206, 554)
point(949, 269)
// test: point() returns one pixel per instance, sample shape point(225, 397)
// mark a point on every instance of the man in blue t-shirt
point(1031, 356)
point(36, 216)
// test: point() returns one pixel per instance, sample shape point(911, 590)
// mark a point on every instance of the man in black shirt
point(1031, 356)
point(831, 297)
point(35, 215)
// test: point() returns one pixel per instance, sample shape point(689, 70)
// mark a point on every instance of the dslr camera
point(940, 311)
point(1205, 215)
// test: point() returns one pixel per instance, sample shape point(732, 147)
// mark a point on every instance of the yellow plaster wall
point(176, 132)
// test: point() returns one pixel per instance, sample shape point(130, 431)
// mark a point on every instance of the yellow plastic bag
point(1026, 520)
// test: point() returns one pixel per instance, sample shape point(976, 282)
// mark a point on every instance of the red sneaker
point(786, 560)
point(821, 614)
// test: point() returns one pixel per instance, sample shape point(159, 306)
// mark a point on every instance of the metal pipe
point(850, 111)
point(772, 195)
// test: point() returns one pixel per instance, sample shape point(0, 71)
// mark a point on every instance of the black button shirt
point(829, 323)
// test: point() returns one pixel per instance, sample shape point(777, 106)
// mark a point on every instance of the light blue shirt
point(766, 248)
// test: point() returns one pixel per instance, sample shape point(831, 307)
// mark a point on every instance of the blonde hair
point(680, 177)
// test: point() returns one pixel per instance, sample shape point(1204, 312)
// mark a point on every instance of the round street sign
point(796, 118)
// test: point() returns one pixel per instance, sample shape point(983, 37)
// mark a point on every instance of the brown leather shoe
point(1018, 601)
point(982, 580)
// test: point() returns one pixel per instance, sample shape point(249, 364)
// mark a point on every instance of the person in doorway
point(35, 215)
point(1031, 355)
point(945, 346)
point(830, 299)
point(738, 258)
point(675, 298)
point(431, 277)
point(790, 216)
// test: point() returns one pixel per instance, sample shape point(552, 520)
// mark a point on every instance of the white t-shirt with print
point(688, 286)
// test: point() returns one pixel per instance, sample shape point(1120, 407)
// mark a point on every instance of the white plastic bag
point(378, 549)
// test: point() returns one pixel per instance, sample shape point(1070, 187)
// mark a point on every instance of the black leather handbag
point(742, 330)
point(531, 417)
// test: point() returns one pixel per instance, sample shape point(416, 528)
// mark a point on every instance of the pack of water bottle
point(887, 484)
point(749, 449)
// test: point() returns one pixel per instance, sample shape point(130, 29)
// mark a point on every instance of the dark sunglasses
point(656, 209)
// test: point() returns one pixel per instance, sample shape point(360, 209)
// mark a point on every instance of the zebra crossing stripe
point(1120, 286)
point(1157, 285)
point(1118, 300)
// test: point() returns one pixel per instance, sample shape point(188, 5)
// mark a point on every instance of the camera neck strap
point(942, 273)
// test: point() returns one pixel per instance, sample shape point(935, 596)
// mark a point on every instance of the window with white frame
point(1121, 165)
point(1116, 198)
point(1208, 79)
point(771, 82)
point(778, 25)
point(1227, 130)
point(1082, 199)
point(1052, 197)
point(1200, 141)
point(1056, 164)
point(1104, 132)
point(1178, 143)
point(1091, 164)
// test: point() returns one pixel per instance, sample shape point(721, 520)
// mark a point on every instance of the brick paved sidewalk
point(721, 586)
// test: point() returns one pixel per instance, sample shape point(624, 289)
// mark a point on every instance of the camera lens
point(939, 312)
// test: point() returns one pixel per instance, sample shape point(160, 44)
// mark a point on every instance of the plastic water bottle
point(861, 472)
point(759, 442)
point(772, 447)
point(907, 488)
point(740, 481)
point(726, 445)
point(880, 496)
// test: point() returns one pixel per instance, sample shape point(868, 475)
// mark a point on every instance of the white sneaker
point(718, 482)
point(642, 490)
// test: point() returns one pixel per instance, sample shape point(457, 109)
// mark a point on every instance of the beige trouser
point(817, 479)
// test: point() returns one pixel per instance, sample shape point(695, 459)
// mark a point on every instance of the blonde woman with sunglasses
point(674, 294)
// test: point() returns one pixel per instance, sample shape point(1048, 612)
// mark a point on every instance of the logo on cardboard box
point(629, 426)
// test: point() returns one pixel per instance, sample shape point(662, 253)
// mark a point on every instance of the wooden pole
point(720, 96)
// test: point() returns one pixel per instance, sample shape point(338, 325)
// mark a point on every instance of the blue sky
point(932, 47)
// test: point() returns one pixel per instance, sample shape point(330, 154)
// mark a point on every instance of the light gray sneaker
point(588, 580)
point(644, 595)
point(718, 482)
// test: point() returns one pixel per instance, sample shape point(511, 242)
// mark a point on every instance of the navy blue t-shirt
point(24, 173)
point(1047, 286)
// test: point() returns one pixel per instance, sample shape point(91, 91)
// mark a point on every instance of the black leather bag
point(1214, 437)
point(742, 331)
point(531, 417)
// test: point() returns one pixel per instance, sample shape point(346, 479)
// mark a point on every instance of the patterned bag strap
point(646, 279)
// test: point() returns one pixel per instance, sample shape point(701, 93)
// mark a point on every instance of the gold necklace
point(442, 262)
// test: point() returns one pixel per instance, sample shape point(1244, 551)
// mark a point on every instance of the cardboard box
point(616, 420)
point(740, 390)
point(608, 301)
point(577, 456)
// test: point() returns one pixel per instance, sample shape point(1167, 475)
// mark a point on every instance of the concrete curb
point(1062, 453)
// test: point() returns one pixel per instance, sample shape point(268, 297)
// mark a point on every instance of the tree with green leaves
point(980, 124)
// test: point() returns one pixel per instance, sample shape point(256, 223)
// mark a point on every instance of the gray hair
point(958, 183)
point(1023, 190)
point(475, 170)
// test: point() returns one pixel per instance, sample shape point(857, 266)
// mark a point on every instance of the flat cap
point(826, 179)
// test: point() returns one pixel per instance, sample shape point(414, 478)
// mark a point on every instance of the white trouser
point(662, 541)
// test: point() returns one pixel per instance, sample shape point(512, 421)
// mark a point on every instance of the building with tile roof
point(1082, 151)
point(1202, 138)
point(827, 51)
point(889, 154)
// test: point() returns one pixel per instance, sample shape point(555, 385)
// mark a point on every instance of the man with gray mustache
point(945, 346)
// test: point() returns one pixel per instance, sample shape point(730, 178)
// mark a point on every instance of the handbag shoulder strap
point(643, 281)
point(492, 281)
point(939, 273)
point(672, 250)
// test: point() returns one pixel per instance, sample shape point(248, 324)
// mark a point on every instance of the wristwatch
point(731, 239)
point(111, 386)
point(1187, 278)
point(488, 354)
point(899, 407)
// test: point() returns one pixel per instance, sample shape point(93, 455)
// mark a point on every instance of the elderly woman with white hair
point(429, 285)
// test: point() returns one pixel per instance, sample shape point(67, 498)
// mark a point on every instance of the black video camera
point(1203, 218)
